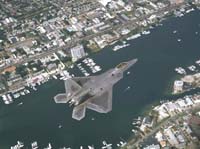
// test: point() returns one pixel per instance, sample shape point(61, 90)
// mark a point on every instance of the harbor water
point(159, 53)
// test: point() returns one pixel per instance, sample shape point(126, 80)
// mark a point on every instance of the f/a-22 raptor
point(94, 92)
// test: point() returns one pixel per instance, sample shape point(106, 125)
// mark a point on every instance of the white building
point(77, 52)
point(178, 86)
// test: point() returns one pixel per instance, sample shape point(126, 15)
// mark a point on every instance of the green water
point(158, 53)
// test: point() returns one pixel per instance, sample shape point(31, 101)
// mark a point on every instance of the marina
point(156, 60)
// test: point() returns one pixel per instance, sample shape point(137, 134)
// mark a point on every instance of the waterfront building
point(178, 86)
point(152, 147)
point(171, 137)
point(77, 52)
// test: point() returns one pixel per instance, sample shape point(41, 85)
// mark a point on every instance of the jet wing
point(82, 80)
point(101, 103)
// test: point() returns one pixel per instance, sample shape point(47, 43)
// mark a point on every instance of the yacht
point(146, 32)
point(134, 131)
point(90, 147)
point(192, 68)
point(26, 91)
point(198, 62)
point(19, 104)
point(22, 93)
point(16, 95)
point(117, 47)
point(55, 77)
point(175, 31)
point(180, 70)
point(49, 146)
point(189, 10)
point(179, 40)
point(133, 36)
point(34, 145)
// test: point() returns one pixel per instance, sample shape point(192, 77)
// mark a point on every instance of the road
point(88, 37)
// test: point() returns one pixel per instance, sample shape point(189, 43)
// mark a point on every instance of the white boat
point(49, 146)
point(97, 68)
point(175, 31)
point(86, 74)
point(16, 95)
point(34, 145)
point(55, 77)
point(146, 32)
point(189, 10)
point(90, 147)
point(34, 88)
point(128, 72)
point(133, 36)
point(179, 40)
point(22, 93)
point(26, 91)
point(60, 126)
point(122, 143)
point(9, 98)
point(93, 63)
point(180, 70)
point(192, 68)
point(20, 144)
point(19, 104)
point(198, 62)
point(117, 47)
point(134, 131)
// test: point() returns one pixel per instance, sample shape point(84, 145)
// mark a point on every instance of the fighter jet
point(93, 92)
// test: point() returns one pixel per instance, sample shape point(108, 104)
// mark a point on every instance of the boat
point(6, 99)
point(133, 36)
point(122, 143)
point(90, 147)
point(55, 77)
point(22, 93)
point(34, 145)
point(19, 104)
point(198, 62)
point(18, 145)
point(97, 68)
point(16, 95)
point(127, 88)
point(60, 126)
point(117, 47)
point(86, 74)
point(106, 145)
point(175, 31)
point(128, 72)
point(134, 131)
point(192, 68)
point(189, 10)
point(179, 40)
point(146, 32)
point(9, 98)
point(180, 70)
point(34, 88)
point(26, 91)
point(49, 146)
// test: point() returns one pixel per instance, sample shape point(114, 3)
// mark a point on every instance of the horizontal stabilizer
point(79, 112)
point(61, 98)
